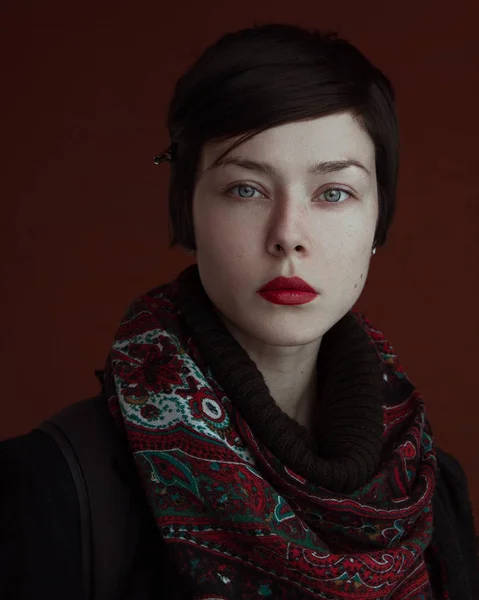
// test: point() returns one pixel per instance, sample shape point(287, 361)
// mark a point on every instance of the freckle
point(355, 285)
point(361, 275)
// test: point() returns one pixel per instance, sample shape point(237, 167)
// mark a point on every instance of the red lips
point(288, 283)
point(288, 290)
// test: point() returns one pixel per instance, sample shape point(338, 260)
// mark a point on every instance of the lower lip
point(287, 296)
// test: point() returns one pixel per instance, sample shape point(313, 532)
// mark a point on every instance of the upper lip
point(288, 283)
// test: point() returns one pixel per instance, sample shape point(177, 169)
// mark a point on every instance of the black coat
point(42, 528)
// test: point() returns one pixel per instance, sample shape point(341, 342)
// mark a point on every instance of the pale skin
point(252, 226)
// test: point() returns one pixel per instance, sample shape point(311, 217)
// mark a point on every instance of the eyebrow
point(320, 168)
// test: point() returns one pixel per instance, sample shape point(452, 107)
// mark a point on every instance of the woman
point(278, 446)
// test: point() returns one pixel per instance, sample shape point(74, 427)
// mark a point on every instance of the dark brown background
point(83, 210)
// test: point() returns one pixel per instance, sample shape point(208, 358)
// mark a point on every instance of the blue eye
point(245, 186)
point(336, 195)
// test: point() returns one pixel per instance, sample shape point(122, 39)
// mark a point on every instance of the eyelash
point(244, 184)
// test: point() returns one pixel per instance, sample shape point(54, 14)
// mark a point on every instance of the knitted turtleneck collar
point(345, 449)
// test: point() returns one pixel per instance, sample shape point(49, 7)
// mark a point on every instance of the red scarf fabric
point(239, 522)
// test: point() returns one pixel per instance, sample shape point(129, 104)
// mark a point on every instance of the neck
point(290, 373)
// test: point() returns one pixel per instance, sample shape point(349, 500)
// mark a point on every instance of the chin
point(287, 327)
point(287, 333)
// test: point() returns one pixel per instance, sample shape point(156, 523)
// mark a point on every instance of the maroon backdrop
point(84, 213)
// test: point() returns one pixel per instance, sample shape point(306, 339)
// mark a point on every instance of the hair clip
point(167, 156)
point(164, 157)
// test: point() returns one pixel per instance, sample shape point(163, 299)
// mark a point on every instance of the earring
point(373, 252)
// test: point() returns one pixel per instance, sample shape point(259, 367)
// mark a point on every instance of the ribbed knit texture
point(344, 451)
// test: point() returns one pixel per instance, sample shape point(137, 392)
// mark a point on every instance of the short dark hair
point(268, 75)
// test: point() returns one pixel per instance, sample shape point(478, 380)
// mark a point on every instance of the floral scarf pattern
point(240, 524)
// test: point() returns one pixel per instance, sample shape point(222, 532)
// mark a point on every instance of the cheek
point(360, 282)
point(360, 272)
point(222, 233)
point(349, 268)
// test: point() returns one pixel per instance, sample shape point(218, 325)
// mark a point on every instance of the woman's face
point(288, 210)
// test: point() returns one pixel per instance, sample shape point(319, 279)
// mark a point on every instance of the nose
point(288, 230)
point(284, 249)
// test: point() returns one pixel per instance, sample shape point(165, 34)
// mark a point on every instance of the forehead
point(300, 143)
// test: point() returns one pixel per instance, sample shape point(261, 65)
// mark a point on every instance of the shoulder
point(33, 463)
point(39, 541)
point(450, 466)
point(452, 485)
point(455, 530)
point(43, 541)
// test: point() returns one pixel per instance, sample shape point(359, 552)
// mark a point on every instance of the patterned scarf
point(249, 503)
